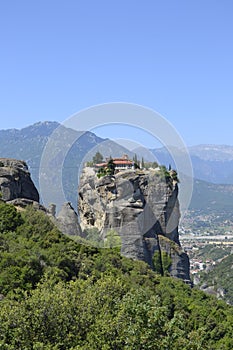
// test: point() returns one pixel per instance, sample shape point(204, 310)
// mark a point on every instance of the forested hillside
point(220, 279)
point(60, 294)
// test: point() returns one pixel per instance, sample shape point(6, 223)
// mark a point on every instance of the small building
point(120, 163)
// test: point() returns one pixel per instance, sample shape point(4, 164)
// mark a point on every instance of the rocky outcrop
point(67, 221)
point(15, 181)
point(24, 202)
point(142, 207)
point(180, 266)
point(17, 188)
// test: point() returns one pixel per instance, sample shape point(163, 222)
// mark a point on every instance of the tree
point(9, 217)
point(136, 162)
point(112, 239)
point(164, 173)
point(101, 172)
point(98, 158)
point(92, 235)
point(111, 167)
point(143, 163)
point(154, 165)
point(174, 176)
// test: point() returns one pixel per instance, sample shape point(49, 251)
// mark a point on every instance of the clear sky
point(175, 56)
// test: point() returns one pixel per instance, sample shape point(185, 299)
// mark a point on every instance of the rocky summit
point(15, 181)
point(141, 207)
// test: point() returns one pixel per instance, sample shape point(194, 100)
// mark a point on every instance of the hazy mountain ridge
point(211, 163)
point(28, 144)
point(212, 152)
point(212, 197)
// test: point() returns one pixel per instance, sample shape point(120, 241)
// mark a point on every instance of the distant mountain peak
point(46, 123)
point(39, 129)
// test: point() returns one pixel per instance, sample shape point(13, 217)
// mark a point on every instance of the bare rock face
point(24, 202)
point(15, 181)
point(67, 221)
point(141, 207)
point(180, 266)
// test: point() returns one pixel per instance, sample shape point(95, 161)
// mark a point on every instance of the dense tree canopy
point(60, 294)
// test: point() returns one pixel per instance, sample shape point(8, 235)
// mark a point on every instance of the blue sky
point(174, 56)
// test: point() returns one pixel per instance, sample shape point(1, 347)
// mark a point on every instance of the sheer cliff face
point(15, 181)
point(67, 221)
point(142, 208)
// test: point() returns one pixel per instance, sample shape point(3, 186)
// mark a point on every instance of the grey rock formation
point(52, 209)
point(141, 207)
point(17, 188)
point(24, 202)
point(15, 181)
point(180, 266)
point(67, 221)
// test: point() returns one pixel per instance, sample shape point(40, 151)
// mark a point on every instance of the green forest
point(56, 293)
point(220, 277)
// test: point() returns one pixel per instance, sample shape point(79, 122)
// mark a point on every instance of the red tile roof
point(128, 162)
point(117, 161)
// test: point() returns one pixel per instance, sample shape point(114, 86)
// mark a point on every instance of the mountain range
point(29, 143)
point(212, 164)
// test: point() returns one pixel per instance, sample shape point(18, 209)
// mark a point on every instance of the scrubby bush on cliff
point(174, 176)
point(112, 239)
point(164, 173)
point(9, 218)
point(92, 235)
point(162, 262)
point(101, 172)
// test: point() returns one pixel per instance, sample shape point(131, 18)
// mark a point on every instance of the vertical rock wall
point(15, 181)
point(141, 207)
